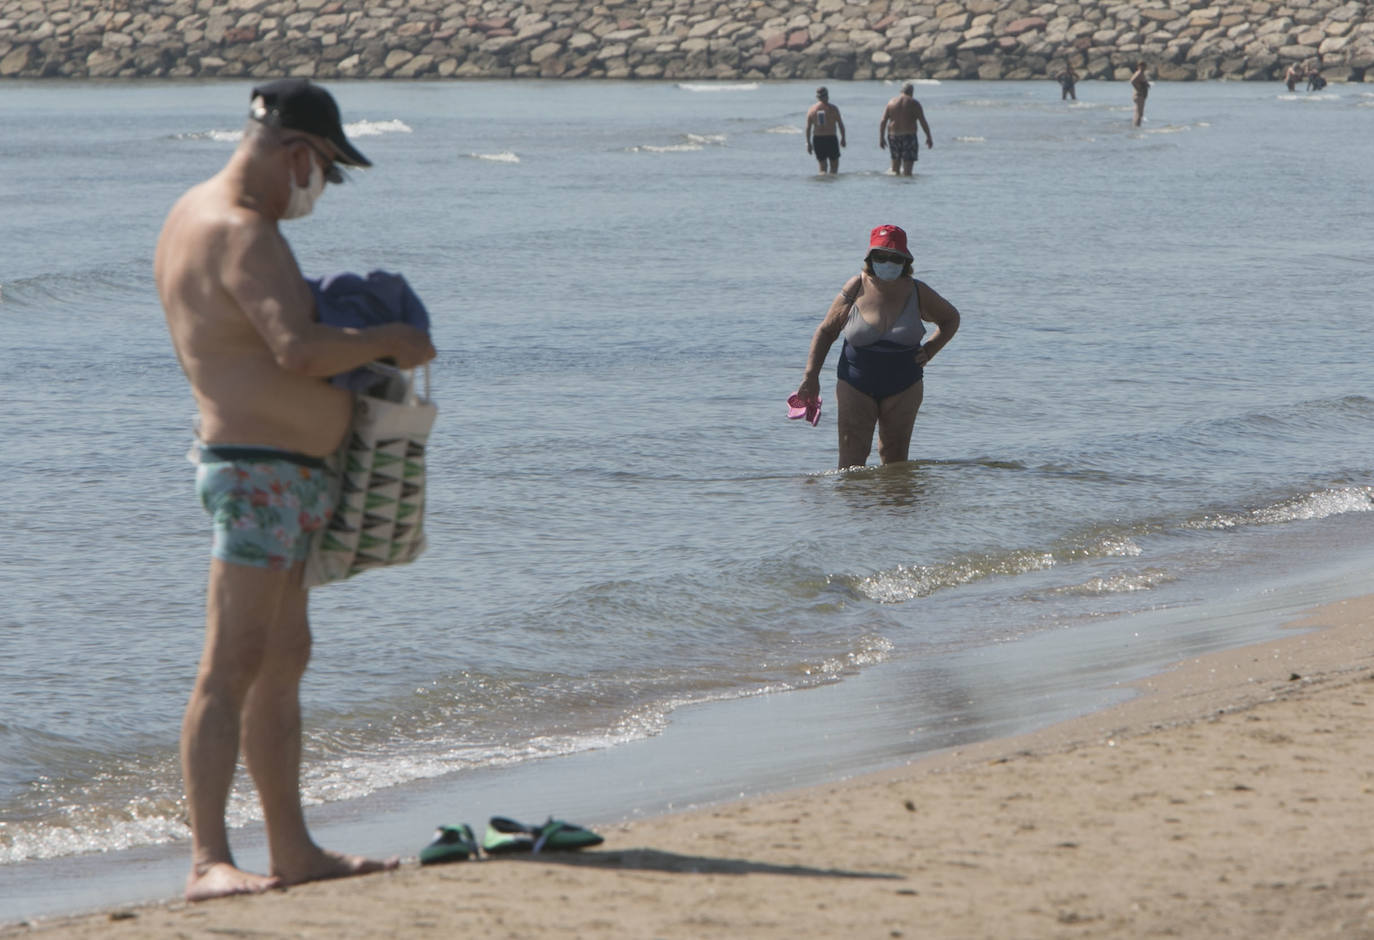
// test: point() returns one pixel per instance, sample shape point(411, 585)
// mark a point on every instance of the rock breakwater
point(682, 39)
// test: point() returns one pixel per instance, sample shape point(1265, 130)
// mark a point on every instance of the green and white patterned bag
point(379, 516)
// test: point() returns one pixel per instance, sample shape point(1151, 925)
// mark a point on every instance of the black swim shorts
point(826, 146)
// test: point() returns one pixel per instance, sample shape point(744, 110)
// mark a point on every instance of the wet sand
point(1233, 799)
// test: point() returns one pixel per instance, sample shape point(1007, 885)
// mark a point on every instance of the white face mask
point(302, 201)
point(888, 270)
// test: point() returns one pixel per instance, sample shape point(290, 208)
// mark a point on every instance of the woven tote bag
point(378, 517)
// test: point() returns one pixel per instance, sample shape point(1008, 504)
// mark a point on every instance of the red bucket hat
point(889, 238)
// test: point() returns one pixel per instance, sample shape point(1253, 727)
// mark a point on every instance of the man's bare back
point(901, 114)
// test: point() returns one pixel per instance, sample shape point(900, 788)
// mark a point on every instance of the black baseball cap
point(295, 104)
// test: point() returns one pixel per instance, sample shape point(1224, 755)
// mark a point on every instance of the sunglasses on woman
point(884, 256)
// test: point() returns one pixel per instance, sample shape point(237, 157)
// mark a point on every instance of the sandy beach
point(1231, 799)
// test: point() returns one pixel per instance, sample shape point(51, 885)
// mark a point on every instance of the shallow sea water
point(1157, 412)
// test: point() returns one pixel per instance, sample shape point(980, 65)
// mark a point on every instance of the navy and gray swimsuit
point(882, 364)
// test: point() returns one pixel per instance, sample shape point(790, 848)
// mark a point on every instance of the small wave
point(699, 86)
point(221, 137)
point(686, 144)
point(783, 129)
point(869, 651)
point(914, 81)
point(1167, 129)
point(1106, 546)
point(70, 289)
point(354, 129)
point(1319, 505)
point(971, 140)
point(505, 156)
point(667, 148)
point(376, 128)
point(1124, 582)
point(905, 583)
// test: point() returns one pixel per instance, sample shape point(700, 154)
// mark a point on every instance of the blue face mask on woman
point(887, 270)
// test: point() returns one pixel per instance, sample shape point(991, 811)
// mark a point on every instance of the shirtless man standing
point(902, 114)
point(1140, 85)
point(822, 124)
point(242, 320)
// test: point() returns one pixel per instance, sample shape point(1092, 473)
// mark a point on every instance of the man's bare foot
point(223, 880)
point(327, 865)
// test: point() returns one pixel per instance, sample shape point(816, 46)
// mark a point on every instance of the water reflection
point(902, 486)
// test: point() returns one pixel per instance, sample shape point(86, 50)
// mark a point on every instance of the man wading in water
point(897, 130)
point(822, 124)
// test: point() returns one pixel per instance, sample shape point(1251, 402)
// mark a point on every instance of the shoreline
point(746, 40)
point(1235, 780)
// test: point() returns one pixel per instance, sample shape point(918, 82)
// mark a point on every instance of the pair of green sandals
point(506, 837)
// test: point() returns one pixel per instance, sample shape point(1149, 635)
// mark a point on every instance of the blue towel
point(348, 300)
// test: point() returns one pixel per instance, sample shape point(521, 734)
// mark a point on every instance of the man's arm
point(839, 125)
point(921, 119)
point(262, 278)
point(882, 126)
point(810, 123)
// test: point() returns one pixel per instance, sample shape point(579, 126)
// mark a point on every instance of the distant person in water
point(1067, 79)
point(881, 313)
point(1140, 86)
point(1291, 77)
point(825, 132)
point(1315, 80)
point(897, 130)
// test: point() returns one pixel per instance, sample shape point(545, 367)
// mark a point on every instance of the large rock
point(1016, 39)
point(18, 60)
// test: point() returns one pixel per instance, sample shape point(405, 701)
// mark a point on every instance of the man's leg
point(896, 417)
point(857, 416)
point(906, 167)
point(240, 607)
point(834, 165)
point(272, 748)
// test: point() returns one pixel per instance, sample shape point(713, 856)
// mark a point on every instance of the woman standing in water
point(879, 312)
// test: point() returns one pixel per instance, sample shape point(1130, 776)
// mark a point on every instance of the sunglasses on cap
point(884, 256)
point(332, 172)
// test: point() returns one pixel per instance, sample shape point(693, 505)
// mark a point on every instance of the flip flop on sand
point(506, 836)
point(451, 844)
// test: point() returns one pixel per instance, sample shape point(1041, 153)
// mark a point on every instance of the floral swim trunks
point(265, 502)
point(903, 146)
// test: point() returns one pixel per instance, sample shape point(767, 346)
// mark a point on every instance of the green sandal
point(451, 844)
point(506, 836)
